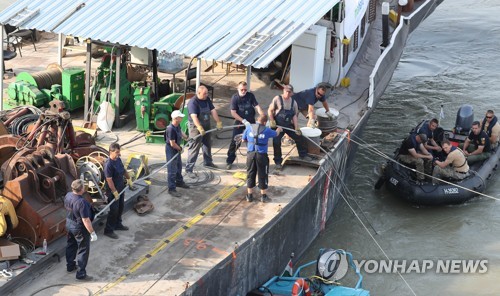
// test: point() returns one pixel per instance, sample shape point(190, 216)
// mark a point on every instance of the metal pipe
point(189, 67)
point(88, 69)
point(198, 73)
point(249, 75)
point(385, 25)
point(81, 5)
point(1, 68)
point(59, 49)
point(118, 62)
point(155, 74)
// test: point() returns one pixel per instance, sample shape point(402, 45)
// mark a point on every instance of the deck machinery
point(154, 117)
point(104, 85)
point(54, 83)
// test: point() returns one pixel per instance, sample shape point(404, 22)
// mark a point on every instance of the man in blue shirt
point(173, 138)
point(115, 172)
point(306, 100)
point(80, 231)
point(200, 108)
point(257, 136)
point(243, 105)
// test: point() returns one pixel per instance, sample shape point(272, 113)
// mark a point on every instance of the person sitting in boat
point(454, 166)
point(428, 128)
point(306, 100)
point(491, 126)
point(477, 145)
point(413, 152)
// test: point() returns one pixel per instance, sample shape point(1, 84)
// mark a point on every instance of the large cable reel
point(92, 171)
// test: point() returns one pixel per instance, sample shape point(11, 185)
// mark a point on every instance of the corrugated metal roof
point(183, 26)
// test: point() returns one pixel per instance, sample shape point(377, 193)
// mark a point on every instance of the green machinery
point(39, 88)
point(153, 117)
point(104, 85)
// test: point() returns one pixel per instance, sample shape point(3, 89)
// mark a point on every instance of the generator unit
point(154, 117)
point(38, 89)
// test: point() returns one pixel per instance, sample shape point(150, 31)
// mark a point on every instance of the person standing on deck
point(80, 231)
point(454, 166)
point(115, 172)
point(243, 106)
point(173, 137)
point(477, 145)
point(283, 111)
point(200, 108)
point(306, 100)
point(492, 127)
point(413, 152)
point(257, 136)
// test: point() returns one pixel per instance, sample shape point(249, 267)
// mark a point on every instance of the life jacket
point(258, 129)
point(490, 126)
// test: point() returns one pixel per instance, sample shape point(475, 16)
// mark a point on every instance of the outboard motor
point(465, 117)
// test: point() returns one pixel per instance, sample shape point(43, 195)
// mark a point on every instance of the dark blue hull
point(399, 181)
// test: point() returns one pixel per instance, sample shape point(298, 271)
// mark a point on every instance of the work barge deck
point(211, 239)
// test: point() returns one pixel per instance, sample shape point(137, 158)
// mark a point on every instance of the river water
point(451, 59)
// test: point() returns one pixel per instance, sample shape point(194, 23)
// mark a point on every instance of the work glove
point(130, 185)
point(311, 123)
point(273, 123)
point(329, 115)
point(245, 122)
point(116, 195)
point(298, 132)
point(201, 130)
point(93, 236)
point(219, 125)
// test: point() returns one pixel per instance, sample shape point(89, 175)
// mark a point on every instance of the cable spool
point(324, 123)
point(87, 166)
point(43, 79)
point(20, 125)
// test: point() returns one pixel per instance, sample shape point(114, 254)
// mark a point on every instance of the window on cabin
point(355, 41)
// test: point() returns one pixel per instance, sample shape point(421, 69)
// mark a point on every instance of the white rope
point(378, 152)
point(352, 209)
point(162, 167)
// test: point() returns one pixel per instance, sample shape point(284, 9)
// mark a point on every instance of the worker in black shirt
point(413, 152)
point(80, 231)
point(477, 145)
point(243, 106)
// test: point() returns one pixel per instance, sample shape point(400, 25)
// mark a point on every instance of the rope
point(162, 167)
point(369, 233)
point(354, 212)
point(343, 185)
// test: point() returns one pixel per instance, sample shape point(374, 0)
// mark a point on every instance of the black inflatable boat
point(402, 181)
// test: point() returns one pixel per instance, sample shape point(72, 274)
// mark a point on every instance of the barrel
point(324, 123)
point(314, 137)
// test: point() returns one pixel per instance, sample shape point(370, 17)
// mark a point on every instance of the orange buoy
point(299, 286)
